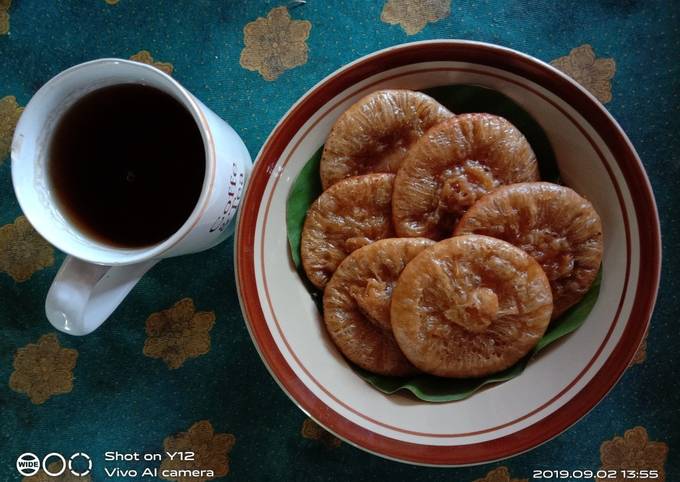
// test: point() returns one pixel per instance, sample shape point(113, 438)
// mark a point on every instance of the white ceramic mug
point(95, 277)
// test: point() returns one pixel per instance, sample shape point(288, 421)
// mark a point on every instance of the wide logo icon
point(29, 464)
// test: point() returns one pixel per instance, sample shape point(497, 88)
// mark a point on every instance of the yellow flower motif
point(633, 451)
point(413, 15)
point(640, 354)
point(592, 73)
point(43, 369)
point(211, 452)
point(311, 430)
point(55, 467)
point(144, 56)
point(22, 250)
point(4, 16)
point(10, 112)
point(275, 44)
point(500, 474)
point(178, 333)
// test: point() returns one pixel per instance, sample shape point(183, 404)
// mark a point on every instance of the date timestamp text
point(626, 474)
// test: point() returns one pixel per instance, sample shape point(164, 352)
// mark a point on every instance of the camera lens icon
point(29, 464)
point(82, 473)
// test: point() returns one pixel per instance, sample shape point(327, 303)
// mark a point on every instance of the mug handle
point(83, 295)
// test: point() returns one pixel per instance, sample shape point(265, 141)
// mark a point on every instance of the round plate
point(595, 158)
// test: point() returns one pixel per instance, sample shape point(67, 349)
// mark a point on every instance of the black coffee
point(126, 164)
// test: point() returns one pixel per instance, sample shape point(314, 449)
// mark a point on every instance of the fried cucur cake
point(350, 214)
point(454, 164)
point(374, 134)
point(552, 223)
point(356, 304)
point(470, 306)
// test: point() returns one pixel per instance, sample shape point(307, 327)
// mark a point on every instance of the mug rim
point(130, 256)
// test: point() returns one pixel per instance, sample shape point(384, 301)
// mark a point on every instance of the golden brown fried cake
point(350, 214)
point(356, 304)
point(470, 306)
point(454, 164)
point(374, 134)
point(552, 223)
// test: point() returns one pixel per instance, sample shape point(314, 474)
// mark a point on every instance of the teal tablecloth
point(135, 386)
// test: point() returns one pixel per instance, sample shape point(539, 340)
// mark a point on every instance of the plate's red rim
point(645, 212)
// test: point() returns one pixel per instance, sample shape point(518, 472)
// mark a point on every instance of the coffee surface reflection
point(126, 165)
